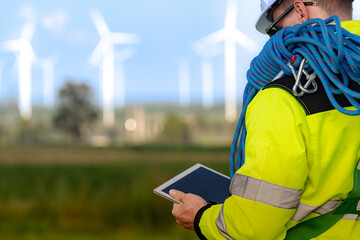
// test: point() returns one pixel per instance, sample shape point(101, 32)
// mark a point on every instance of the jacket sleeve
point(266, 190)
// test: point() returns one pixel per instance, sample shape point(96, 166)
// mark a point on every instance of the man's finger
point(178, 195)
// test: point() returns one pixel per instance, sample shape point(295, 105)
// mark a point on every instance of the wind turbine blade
point(214, 38)
point(206, 51)
point(96, 55)
point(28, 30)
point(198, 47)
point(231, 14)
point(125, 54)
point(246, 42)
point(99, 23)
point(214, 50)
point(11, 46)
point(124, 38)
point(33, 57)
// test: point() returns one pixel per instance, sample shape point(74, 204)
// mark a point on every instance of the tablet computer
point(200, 180)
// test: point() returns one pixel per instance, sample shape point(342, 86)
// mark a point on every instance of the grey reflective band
point(220, 224)
point(304, 210)
point(265, 192)
point(358, 166)
point(328, 207)
point(353, 217)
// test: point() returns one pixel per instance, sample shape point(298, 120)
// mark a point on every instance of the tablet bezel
point(159, 190)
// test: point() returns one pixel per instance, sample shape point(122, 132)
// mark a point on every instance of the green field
point(88, 193)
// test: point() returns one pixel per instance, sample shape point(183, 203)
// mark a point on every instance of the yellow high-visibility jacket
point(299, 165)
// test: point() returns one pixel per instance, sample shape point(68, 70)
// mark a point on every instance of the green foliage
point(101, 200)
point(176, 130)
point(76, 110)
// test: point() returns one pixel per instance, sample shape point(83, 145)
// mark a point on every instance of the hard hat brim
point(262, 23)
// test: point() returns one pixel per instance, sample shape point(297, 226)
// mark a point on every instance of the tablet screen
point(202, 181)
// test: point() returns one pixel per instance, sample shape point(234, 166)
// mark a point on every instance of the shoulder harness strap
point(316, 102)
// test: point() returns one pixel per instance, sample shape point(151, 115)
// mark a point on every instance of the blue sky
point(167, 30)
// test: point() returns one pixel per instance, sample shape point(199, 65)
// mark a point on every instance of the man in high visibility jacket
point(299, 164)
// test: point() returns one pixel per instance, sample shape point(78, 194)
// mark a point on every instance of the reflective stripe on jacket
point(297, 167)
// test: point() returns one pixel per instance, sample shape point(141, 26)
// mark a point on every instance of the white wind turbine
point(25, 57)
point(47, 66)
point(1, 67)
point(120, 58)
point(207, 72)
point(104, 57)
point(231, 36)
point(184, 83)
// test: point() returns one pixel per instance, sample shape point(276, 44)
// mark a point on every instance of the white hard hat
point(264, 21)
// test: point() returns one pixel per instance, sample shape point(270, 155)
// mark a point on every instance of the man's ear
point(301, 11)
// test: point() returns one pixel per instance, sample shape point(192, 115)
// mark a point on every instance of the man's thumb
point(178, 195)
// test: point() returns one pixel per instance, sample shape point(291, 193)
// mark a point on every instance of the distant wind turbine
point(231, 36)
point(184, 83)
point(1, 67)
point(25, 57)
point(207, 72)
point(104, 55)
point(120, 58)
point(47, 66)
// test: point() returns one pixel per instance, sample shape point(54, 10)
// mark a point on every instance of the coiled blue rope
point(330, 51)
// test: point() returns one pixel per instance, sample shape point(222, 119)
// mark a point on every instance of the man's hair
point(331, 7)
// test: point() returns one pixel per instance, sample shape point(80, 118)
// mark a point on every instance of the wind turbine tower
point(231, 36)
point(207, 71)
point(25, 58)
point(184, 83)
point(120, 58)
point(47, 66)
point(1, 67)
point(104, 57)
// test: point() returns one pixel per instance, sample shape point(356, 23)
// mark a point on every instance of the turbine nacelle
point(108, 39)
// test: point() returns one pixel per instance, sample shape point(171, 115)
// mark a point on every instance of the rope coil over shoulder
point(330, 51)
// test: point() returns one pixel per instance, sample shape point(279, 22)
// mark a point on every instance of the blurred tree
point(176, 130)
point(75, 109)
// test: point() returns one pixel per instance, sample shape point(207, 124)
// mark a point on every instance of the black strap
point(316, 102)
point(197, 220)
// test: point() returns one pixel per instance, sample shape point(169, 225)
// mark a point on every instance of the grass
point(86, 193)
point(132, 234)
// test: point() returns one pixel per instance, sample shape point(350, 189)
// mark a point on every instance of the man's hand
point(185, 212)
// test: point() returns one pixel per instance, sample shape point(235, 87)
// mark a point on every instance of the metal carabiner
point(310, 81)
point(298, 85)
